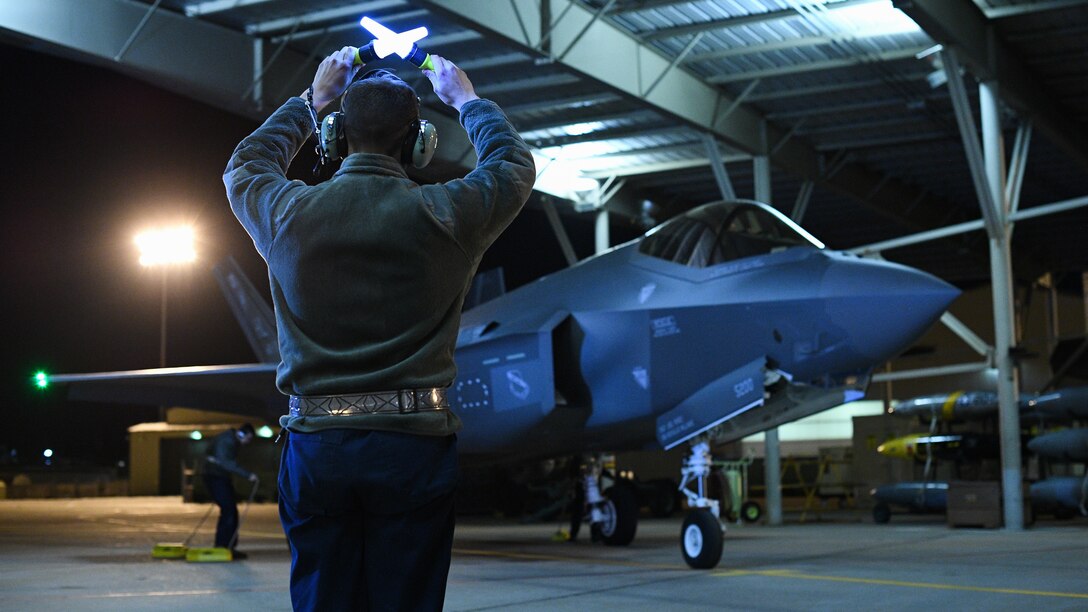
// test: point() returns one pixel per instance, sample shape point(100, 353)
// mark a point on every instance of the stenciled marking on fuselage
point(642, 377)
point(518, 386)
point(646, 291)
point(744, 387)
point(742, 265)
point(665, 326)
point(472, 393)
point(676, 427)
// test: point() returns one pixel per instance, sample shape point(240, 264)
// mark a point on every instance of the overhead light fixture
point(877, 18)
point(561, 178)
point(166, 246)
point(579, 129)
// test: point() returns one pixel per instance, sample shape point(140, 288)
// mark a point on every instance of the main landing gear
point(612, 516)
point(702, 535)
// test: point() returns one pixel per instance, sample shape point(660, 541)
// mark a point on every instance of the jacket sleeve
point(257, 186)
point(478, 207)
point(226, 455)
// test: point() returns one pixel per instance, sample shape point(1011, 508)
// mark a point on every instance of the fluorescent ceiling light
point(578, 129)
point(561, 178)
point(869, 19)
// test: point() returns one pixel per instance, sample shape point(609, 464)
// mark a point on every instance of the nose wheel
point(701, 539)
point(702, 535)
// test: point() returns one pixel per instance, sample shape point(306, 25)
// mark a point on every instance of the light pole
point(164, 247)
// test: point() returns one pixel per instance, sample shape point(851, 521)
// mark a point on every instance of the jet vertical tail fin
point(253, 313)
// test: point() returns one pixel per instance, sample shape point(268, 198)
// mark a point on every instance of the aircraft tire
point(751, 511)
point(621, 510)
point(882, 513)
point(701, 539)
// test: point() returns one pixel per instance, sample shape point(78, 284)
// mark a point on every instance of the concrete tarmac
point(95, 554)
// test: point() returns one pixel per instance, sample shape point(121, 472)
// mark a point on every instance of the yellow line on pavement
point(901, 583)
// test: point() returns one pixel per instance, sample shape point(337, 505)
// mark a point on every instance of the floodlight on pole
point(166, 246)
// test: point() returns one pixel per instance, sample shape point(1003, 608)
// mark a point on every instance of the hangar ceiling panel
point(841, 93)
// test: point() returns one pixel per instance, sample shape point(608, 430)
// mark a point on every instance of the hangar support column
point(772, 461)
point(987, 165)
point(1004, 309)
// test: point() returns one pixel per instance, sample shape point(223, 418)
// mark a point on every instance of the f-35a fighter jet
point(722, 322)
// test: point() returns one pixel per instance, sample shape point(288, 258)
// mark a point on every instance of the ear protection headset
point(418, 148)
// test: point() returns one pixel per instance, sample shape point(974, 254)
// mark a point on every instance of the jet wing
point(242, 388)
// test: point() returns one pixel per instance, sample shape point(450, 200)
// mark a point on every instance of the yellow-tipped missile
point(941, 446)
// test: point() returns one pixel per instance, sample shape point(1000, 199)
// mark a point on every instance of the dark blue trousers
point(222, 491)
point(369, 519)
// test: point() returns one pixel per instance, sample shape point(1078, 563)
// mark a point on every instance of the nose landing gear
point(613, 515)
point(702, 535)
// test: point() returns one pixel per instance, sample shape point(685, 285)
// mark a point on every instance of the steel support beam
point(962, 25)
point(717, 165)
point(976, 163)
point(969, 226)
point(817, 90)
point(971, 338)
point(1017, 166)
point(800, 205)
point(883, 56)
point(658, 167)
point(352, 11)
point(218, 6)
point(772, 475)
point(1008, 387)
point(1038, 6)
point(761, 170)
point(560, 232)
point(617, 60)
point(601, 236)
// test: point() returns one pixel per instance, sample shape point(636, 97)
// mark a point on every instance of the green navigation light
point(41, 380)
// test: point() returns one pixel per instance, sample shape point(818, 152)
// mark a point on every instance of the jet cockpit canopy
point(724, 231)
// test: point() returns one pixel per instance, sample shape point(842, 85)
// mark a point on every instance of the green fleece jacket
point(369, 270)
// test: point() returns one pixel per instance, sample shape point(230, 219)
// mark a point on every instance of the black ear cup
point(419, 144)
point(425, 144)
point(334, 143)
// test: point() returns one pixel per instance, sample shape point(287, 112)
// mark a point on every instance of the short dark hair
point(378, 112)
point(246, 429)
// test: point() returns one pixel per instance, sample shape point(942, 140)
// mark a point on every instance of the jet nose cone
point(883, 307)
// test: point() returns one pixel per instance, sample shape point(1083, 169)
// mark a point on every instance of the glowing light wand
point(387, 42)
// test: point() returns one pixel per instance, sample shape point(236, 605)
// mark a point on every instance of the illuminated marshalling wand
point(388, 42)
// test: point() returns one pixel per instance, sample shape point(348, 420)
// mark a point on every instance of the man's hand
point(451, 84)
point(253, 477)
point(333, 76)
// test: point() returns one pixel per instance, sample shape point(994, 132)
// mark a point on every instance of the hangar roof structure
point(837, 112)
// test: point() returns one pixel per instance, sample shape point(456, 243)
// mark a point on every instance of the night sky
point(90, 158)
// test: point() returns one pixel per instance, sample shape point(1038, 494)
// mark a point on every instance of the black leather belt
point(404, 401)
